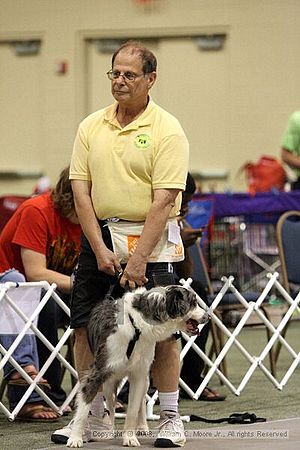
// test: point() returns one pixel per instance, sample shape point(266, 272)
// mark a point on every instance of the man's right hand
point(108, 262)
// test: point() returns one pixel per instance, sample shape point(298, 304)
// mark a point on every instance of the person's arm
point(190, 235)
point(290, 158)
point(106, 259)
point(163, 202)
point(36, 270)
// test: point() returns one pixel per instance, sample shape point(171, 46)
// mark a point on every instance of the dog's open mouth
point(192, 326)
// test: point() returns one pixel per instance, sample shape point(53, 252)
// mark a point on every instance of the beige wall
point(238, 112)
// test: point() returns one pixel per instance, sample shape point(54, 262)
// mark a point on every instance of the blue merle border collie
point(123, 334)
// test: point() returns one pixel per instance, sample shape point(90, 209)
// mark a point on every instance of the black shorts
point(92, 285)
point(295, 185)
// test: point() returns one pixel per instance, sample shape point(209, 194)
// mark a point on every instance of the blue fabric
point(199, 213)
point(12, 275)
point(240, 204)
point(26, 352)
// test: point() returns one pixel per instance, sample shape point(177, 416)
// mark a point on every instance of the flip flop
point(30, 411)
point(66, 411)
point(119, 407)
point(210, 395)
point(22, 382)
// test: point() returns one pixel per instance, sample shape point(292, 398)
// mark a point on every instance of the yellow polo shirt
point(126, 164)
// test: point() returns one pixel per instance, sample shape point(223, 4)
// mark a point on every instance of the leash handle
point(234, 418)
point(115, 289)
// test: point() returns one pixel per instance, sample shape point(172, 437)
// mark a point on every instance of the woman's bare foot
point(37, 412)
point(16, 377)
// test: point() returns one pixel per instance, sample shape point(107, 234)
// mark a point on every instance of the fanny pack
point(125, 236)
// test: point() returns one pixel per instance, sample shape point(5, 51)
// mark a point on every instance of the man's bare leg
point(83, 355)
point(166, 366)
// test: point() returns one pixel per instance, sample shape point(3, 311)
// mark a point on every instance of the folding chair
point(20, 305)
point(229, 302)
point(260, 248)
point(200, 274)
point(288, 241)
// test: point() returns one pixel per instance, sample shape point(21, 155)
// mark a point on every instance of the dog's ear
point(152, 304)
point(179, 301)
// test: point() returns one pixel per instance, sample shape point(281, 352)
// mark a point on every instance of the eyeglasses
point(127, 76)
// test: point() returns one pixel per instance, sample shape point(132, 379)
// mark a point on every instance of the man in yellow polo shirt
point(128, 168)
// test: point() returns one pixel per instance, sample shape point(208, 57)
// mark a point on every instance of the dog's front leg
point(80, 419)
point(142, 425)
point(137, 391)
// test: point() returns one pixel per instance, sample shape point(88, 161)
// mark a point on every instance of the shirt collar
point(144, 119)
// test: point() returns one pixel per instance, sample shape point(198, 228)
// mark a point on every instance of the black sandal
point(205, 396)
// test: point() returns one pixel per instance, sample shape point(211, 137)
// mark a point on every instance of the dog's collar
point(135, 338)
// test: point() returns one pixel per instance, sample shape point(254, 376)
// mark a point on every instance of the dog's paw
point(130, 439)
point(75, 442)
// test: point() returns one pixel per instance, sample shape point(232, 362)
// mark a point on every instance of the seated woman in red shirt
point(41, 241)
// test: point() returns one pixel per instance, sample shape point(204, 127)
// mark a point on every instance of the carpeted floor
point(259, 397)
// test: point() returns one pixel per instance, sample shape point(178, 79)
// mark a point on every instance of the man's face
point(131, 92)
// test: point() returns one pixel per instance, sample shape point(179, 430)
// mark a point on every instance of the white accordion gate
point(256, 361)
point(24, 321)
point(28, 320)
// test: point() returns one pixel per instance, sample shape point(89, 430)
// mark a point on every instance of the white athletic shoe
point(96, 429)
point(171, 431)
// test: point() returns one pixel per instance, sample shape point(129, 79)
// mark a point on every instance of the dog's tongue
point(192, 326)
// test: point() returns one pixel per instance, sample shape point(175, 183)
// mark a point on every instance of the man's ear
point(151, 77)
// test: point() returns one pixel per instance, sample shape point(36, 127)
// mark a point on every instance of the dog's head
point(176, 303)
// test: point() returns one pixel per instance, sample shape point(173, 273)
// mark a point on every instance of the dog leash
point(234, 418)
point(116, 286)
point(135, 338)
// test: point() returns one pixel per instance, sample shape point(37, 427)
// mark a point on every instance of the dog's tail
point(92, 381)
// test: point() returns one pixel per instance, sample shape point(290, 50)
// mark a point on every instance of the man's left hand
point(134, 273)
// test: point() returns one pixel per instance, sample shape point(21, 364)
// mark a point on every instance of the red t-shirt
point(38, 226)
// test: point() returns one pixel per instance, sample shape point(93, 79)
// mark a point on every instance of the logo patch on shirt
point(142, 141)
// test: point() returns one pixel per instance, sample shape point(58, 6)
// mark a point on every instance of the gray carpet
point(259, 397)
